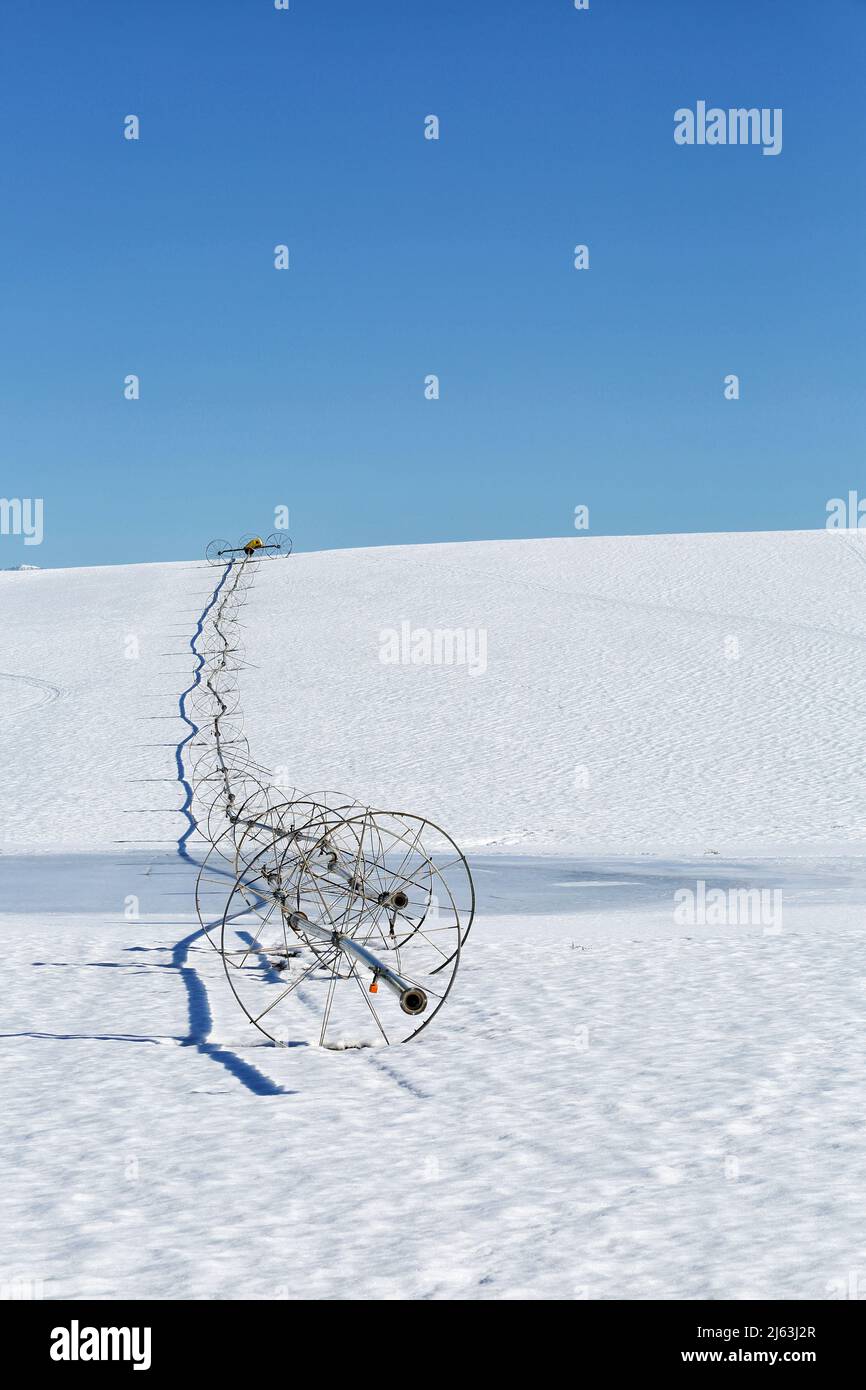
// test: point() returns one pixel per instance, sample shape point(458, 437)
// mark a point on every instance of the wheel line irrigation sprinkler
point(329, 899)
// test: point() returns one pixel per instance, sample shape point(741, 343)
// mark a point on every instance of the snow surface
point(611, 1104)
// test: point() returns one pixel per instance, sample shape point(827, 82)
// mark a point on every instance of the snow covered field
point(640, 1087)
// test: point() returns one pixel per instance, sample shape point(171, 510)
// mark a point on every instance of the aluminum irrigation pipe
point(413, 999)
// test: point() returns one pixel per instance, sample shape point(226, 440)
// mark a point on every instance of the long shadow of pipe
point(200, 1017)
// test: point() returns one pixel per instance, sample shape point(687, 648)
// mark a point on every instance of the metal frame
point(353, 897)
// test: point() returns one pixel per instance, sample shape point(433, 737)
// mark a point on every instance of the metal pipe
point(413, 999)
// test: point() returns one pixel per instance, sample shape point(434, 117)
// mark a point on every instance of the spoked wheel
point(283, 543)
point(210, 887)
point(217, 552)
point(225, 832)
point(353, 938)
point(230, 802)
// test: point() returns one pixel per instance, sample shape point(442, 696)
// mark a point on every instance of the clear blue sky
point(411, 257)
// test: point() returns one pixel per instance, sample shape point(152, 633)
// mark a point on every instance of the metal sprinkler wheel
point(354, 941)
point(216, 550)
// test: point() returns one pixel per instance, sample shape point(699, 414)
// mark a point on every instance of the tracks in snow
point(36, 694)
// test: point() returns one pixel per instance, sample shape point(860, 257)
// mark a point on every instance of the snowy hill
point(621, 1099)
point(637, 693)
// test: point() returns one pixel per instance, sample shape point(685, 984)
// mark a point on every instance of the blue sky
point(410, 257)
